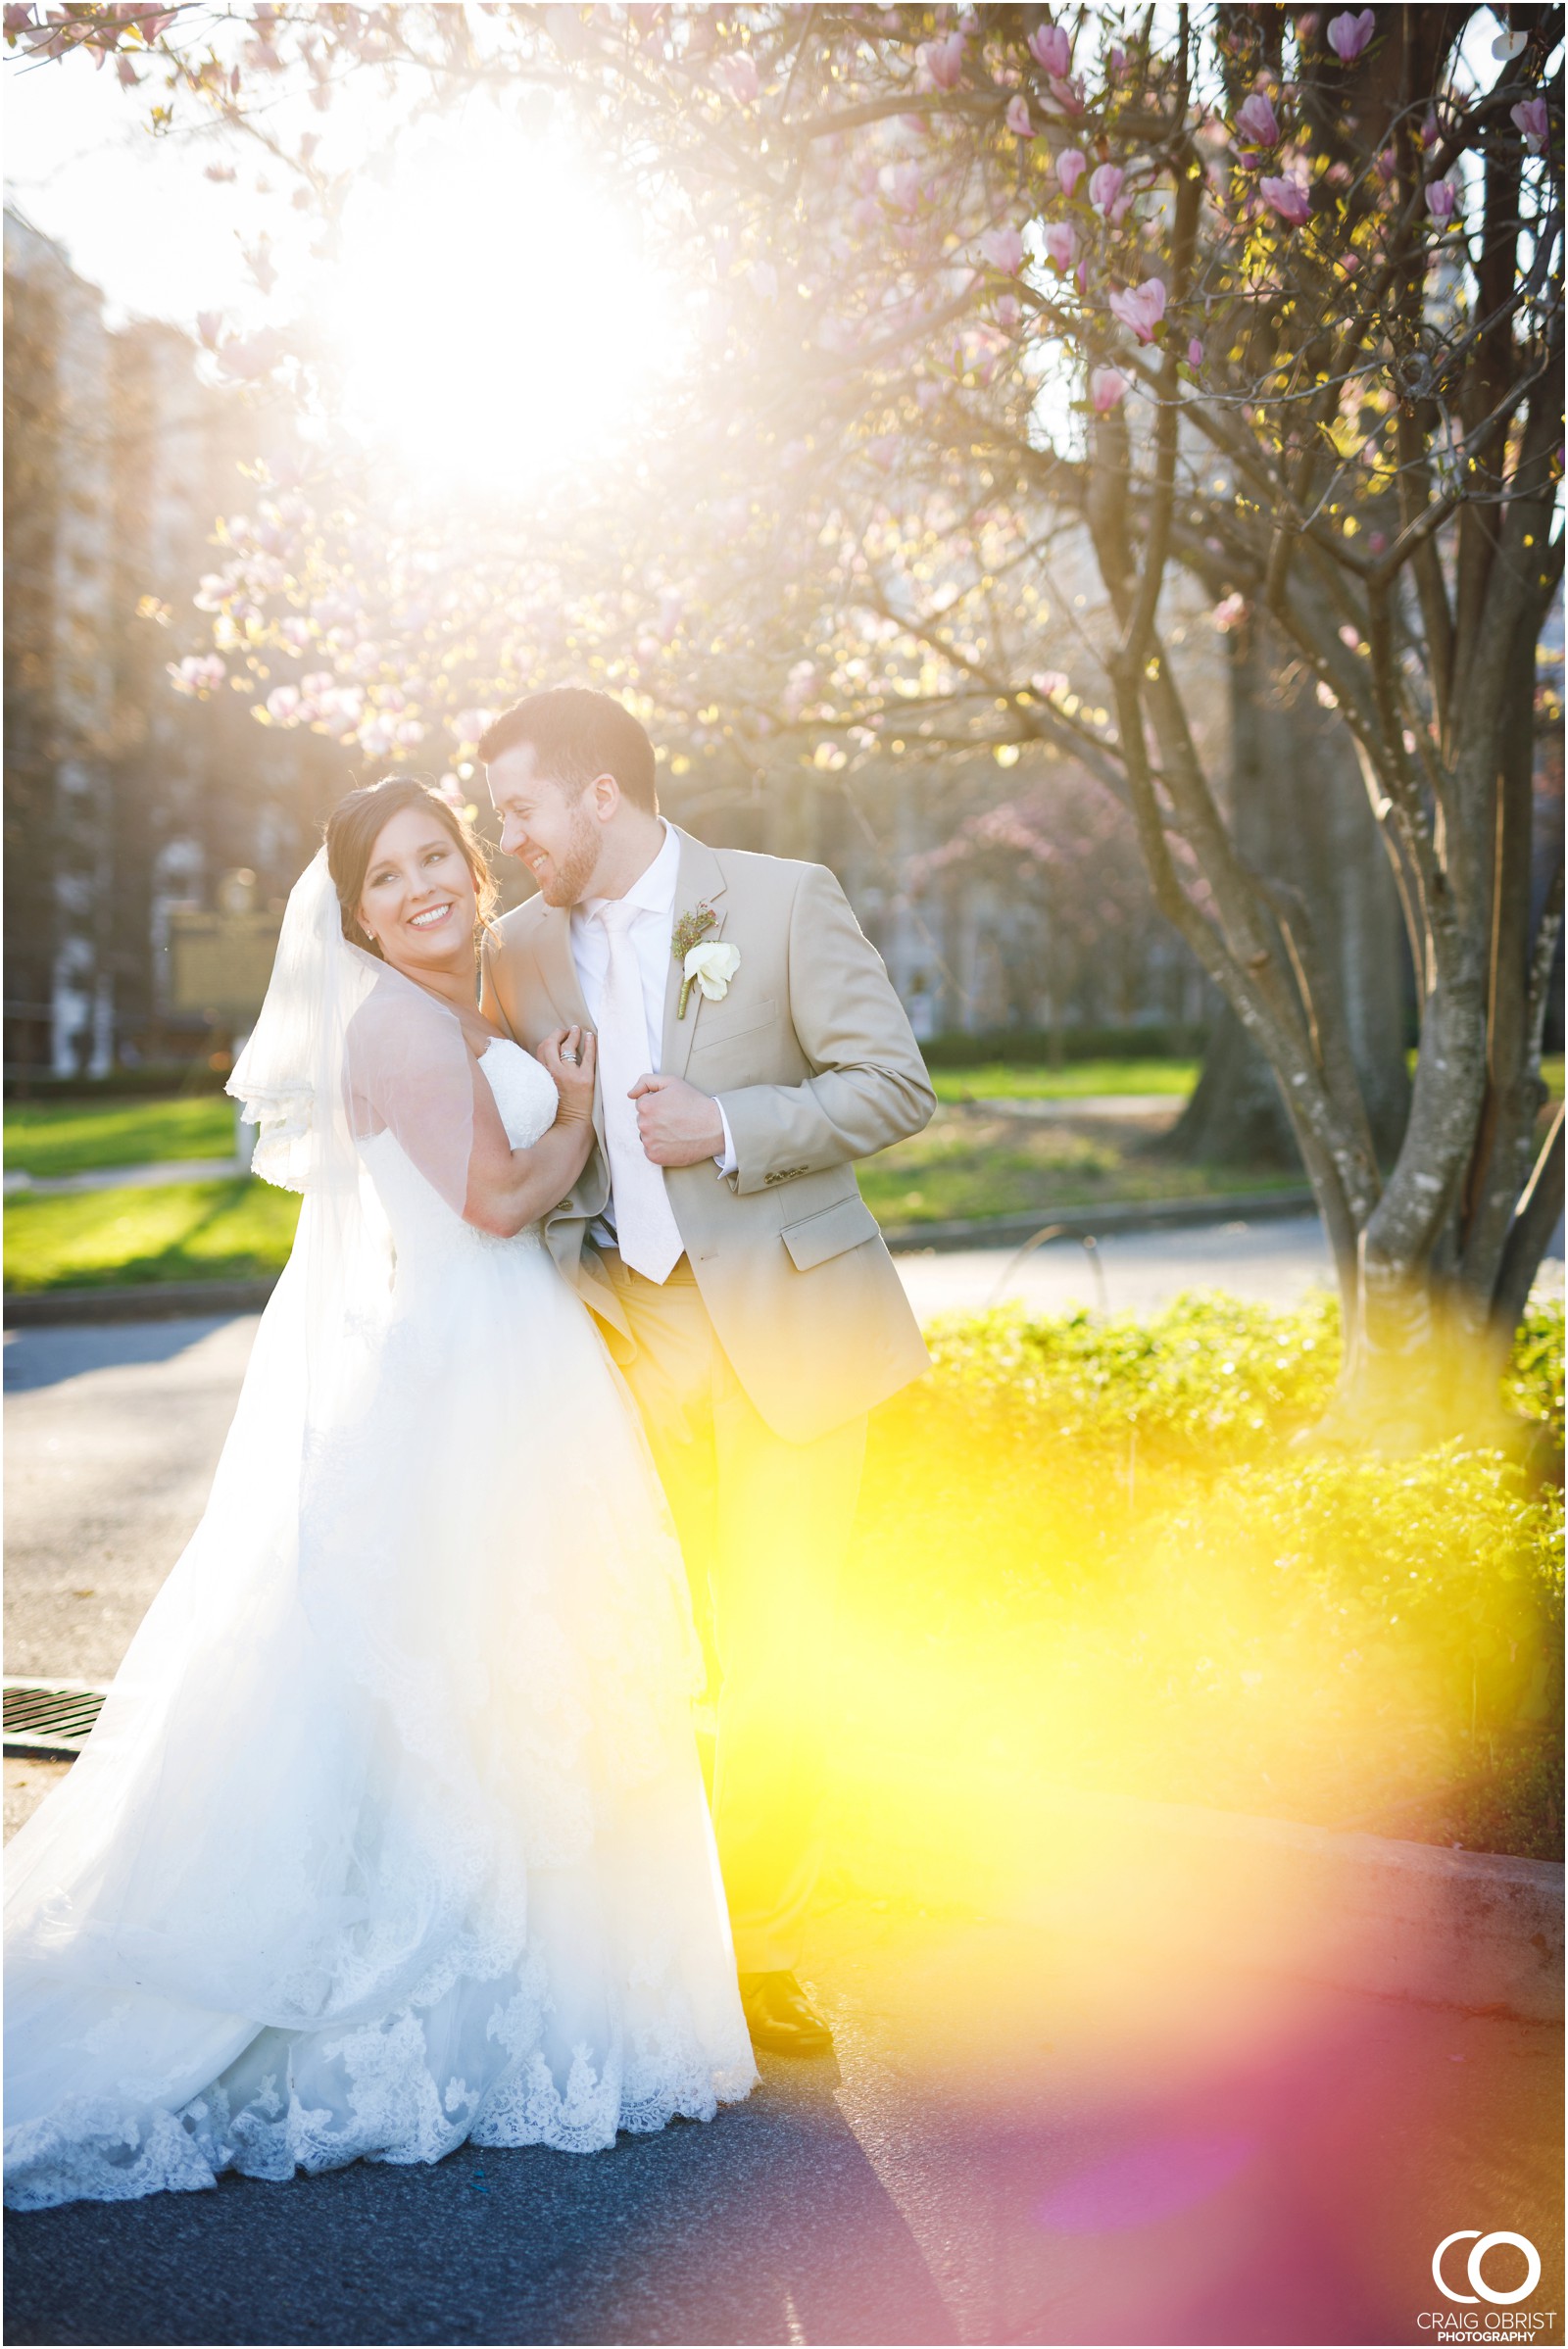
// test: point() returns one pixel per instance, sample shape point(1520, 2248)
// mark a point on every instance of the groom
point(719, 1234)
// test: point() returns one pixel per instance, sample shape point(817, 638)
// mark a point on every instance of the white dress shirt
point(653, 894)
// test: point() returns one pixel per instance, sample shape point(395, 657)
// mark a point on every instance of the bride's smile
point(419, 903)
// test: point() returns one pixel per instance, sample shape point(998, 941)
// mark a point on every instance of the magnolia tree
point(1021, 346)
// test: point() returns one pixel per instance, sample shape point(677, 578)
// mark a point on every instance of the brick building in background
point(123, 801)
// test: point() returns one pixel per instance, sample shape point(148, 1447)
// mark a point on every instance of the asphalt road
point(1018, 2141)
point(1022, 2138)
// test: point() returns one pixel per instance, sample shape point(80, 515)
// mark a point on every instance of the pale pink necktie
point(646, 1231)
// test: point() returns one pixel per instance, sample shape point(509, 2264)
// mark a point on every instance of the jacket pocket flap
point(829, 1232)
point(715, 1028)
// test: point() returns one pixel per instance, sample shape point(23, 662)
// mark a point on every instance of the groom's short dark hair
point(577, 734)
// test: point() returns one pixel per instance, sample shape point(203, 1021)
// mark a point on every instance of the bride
point(391, 1833)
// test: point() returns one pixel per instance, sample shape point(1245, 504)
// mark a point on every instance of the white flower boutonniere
point(709, 967)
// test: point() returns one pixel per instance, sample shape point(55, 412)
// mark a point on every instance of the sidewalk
point(19, 1184)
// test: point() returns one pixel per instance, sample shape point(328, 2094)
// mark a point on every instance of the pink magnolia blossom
point(1060, 245)
point(1350, 34)
point(1140, 307)
point(1117, 63)
point(1431, 128)
point(126, 73)
point(1105, 185)
point(1071, 164)
point(943, 60)
point(1195, 353)
point(1069, 95)
point(1307, 25)
point(197, 673)
point(905, 186)
point(1289, 198)
point(1004, 249)
point(1533, 121)
point(1228, 613)
point(1051, 49)
point(282, 703)
point(1018, 122)
point(1107, 390)
point(738, 71)
point(250, 358)
point(1441, 197)
point(1258, 121)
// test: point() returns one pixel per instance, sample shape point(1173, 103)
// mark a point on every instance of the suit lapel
point(701, 882)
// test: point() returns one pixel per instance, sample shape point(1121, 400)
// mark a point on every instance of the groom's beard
point(567, 880)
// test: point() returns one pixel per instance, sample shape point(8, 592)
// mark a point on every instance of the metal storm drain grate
point(49, 1717)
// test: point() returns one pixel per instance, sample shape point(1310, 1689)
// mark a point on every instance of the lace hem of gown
point(377, 2095)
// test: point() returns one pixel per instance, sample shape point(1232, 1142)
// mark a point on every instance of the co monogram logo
point(1480, 2245)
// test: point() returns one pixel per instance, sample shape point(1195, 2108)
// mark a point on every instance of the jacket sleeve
point(494, 1005)
point(869, 1086)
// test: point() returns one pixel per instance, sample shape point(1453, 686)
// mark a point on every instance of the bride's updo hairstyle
point(356, 823)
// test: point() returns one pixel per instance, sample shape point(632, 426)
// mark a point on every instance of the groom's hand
point(679, 1126)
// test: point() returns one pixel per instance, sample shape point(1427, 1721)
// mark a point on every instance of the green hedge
point(1091, 1549)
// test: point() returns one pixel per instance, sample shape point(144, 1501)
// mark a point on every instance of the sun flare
point(497, 326)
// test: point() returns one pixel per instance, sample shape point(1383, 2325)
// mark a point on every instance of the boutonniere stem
point(689, 931)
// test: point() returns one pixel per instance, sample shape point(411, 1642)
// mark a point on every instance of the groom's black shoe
point(781, 2017)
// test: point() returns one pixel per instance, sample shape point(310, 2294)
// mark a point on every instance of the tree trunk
point(1302, 818)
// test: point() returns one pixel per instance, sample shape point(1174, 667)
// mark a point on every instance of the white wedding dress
point(392, 1832)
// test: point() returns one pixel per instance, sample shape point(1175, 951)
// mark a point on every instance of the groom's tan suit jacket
point(816, 1065)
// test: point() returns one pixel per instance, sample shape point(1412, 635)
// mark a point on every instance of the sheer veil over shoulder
point(391, 1833)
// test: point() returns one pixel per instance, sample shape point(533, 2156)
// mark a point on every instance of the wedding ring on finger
point(566, 1053)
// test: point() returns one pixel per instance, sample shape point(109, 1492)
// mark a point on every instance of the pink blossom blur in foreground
point(1533, 120)
point(1071, 164)
point(1051, 49)
point(1289, 198)
point(1140, 307)
point(1061, 244)
point(1105, 185)
point(740, 77)
point(1350, 34)
point(1107, 390)
point(943, 60)
point(1004, 249)
point(1442, 196)
point(1258, 121)
point(1018, 122)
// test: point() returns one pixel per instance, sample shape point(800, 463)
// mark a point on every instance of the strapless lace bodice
point(425, 1227)
point(526, 1094)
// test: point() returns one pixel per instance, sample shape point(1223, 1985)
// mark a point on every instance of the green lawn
point(968, 1164)
point(226, 1230)
point(63, 1138)
point(1001, 1080)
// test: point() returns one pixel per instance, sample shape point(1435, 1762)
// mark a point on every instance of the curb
point(1094, 1223)
point(162, 1301)
point(147, 1300)
point(1476, 1931)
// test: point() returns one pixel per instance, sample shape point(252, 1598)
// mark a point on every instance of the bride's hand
point(568, 1055)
